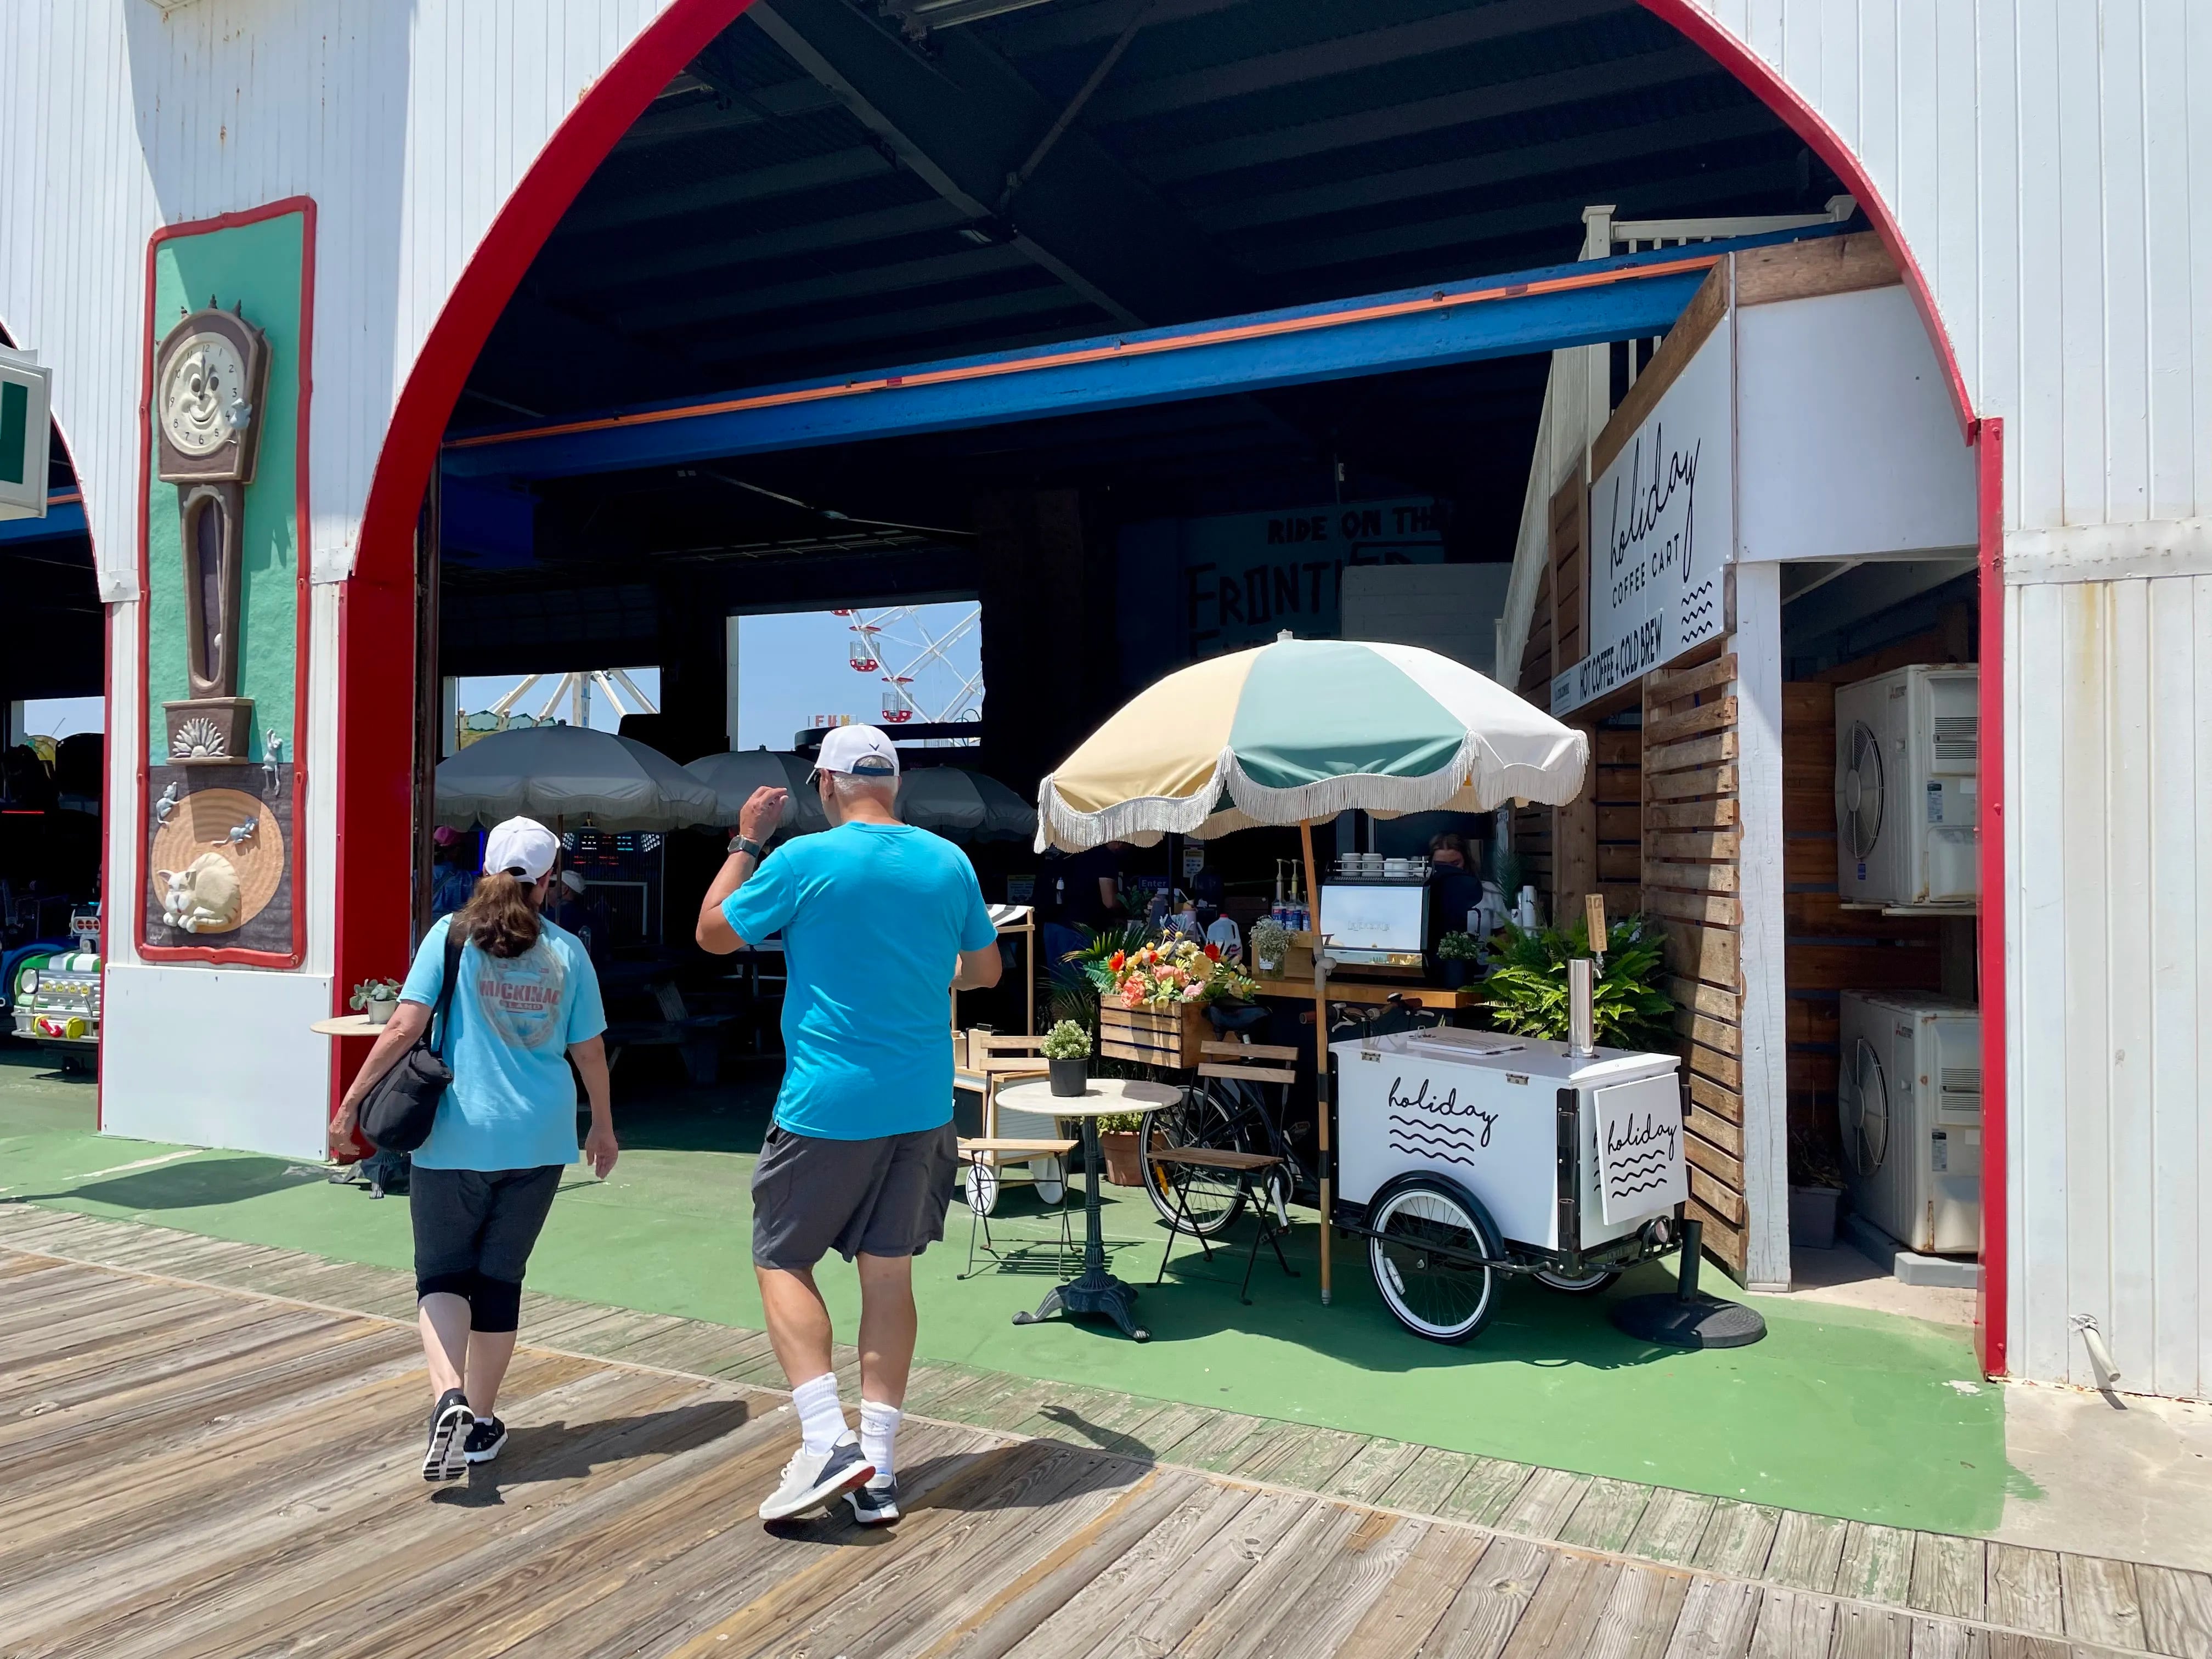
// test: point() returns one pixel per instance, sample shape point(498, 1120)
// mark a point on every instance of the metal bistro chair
point(1179, 1166)
point(992, 1061)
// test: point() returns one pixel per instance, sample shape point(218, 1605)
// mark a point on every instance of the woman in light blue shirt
point(526, 1002)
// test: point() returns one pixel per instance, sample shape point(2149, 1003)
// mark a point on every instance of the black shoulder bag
point(397, 1112)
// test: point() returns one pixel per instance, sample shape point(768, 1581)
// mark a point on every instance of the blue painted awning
point(1586, 303)
point(63, 519)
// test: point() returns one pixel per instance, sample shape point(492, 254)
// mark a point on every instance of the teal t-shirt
point(513, 1105)
point(873, 917)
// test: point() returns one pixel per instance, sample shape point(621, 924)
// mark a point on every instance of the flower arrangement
point(1270, 942)
point(1459, 947)
point(1170, 972)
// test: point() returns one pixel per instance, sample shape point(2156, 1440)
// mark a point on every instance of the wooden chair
point(1250, 1172)
point(698, 1035)
point(992, 1061)
point(979, 1151)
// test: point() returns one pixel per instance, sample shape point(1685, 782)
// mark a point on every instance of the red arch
point(376, 608)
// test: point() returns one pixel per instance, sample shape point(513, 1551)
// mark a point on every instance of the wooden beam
point(1689, 907)
point(1712, 1127)
point(1711, 846)
point(1708, 781)
point(1802, 271)
point(1691, 751)
point(1705, 999)
point(1692, 329)
point(1706, 877)
point(1664, 685)
point(1714, 717)
point(1704, 953)
point(1715, 1034)
point(1717, 1195)
point(1719, 1067)
point(1716, 1099)
point(1695, 815)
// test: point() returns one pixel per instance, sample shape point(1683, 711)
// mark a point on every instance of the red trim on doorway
point(1989, 472)
point(376, 670)
point(1737, 57)
point(304, 206)
point(1987, 438)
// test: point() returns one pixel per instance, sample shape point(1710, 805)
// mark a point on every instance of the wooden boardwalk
point(187, 1470)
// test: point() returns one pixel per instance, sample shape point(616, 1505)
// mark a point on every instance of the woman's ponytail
point(499, 919)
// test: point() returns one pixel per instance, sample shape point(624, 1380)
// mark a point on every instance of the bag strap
point(454, 944)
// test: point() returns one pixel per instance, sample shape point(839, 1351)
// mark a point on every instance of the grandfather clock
point(209, 375)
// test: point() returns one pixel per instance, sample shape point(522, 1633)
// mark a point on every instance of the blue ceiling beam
point(63, 519)
point(1423, 328)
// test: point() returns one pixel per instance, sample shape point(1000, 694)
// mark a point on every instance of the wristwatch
point(747, 844)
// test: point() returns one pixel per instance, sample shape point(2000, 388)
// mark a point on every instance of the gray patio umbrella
point(962, 806)
point(736, 773)
point(572, 775)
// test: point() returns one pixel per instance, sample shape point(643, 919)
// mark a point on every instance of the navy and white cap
point(522, 847)
point(860, 749)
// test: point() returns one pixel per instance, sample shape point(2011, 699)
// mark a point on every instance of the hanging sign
point(1662, 533)
point(26, 396)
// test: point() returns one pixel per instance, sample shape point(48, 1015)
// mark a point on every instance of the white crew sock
point(879, 1435)
point(820, 1418)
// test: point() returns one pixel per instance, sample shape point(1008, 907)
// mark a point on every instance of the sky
point(476, 692)
point(59, 717)
point(794, 669)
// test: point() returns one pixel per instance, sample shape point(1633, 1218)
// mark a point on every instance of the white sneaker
point(811, 1479)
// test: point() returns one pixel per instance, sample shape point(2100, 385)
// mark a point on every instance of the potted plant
point(1457, 954)
point(376, 998)
point(1816, 1189)
point(1068, 1054)
point(1526, 984)
point(1270, 943)
point(1117, 1147)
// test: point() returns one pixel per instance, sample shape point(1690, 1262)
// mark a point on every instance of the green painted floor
point(1839, 1412)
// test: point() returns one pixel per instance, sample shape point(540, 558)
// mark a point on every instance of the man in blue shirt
point(880, 920)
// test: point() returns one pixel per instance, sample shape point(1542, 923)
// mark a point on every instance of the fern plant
point(1527, 986)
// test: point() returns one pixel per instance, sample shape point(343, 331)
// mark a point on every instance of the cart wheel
point(1589, 1282)
point(1425, 1232)
point(981, 1187)
point(1216, 1199)
point(1049, 1176)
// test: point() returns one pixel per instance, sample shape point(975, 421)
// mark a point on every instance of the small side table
point(359, 1026)
point(1095, 1290)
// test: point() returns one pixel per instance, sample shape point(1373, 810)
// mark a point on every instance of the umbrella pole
point(1320, 1045)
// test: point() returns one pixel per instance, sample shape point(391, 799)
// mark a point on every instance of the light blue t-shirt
point(513, 1105)
point(873, 917)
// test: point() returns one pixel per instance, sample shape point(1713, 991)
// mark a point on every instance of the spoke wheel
point(1587, 1282)
point(1216, 1199)
point(1423, 1229)
point(1050, 1175)
point(980, 1182)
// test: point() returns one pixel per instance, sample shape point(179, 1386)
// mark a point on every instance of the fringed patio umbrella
point(735, 774)
point(1300, 730)
point(569, 775)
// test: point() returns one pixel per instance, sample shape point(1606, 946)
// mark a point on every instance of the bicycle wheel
point(1414, 1222)
point(1216, 1198)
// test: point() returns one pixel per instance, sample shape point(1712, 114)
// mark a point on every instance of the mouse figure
point(272, 763)
point(203, 897)
point(167, 804)
point(239, 834)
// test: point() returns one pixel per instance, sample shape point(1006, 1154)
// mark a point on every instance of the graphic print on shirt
point(520, 997)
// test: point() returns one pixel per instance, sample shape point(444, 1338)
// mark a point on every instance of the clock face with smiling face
point(209, 377)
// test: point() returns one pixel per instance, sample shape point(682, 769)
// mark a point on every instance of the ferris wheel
point(911, 654)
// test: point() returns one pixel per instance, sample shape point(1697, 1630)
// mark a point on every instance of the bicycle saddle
point(1230, 1021)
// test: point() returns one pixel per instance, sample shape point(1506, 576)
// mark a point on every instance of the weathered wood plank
point(1947, 1574)
point(1664, 685)
point(1718, 1618)
point(2101, 1601)
point(1488, 1492)
point(1808, 1549)
point(1708, 750)
point(2177, 1610)
point(1738, 1539)
point(1865, 1632)
point(1304, 1456)
point(1543, 1505)
point(1606, 1514)
point(1671, 1526)
point(1682, 785)
point(2022, 1589)
point(1794, 1624)
point(1701, 877)
point(1426, 1482)
point(1483, 1616)
point(1704, 998)
point(1640, 1615)
point(1399, 1620)
point(1563, 1613)
point(1702, 815)
point(1876, 1565)
point(1372, 1471)
point(1716, 1035)
point(1939, 1639)
point(1706, 911)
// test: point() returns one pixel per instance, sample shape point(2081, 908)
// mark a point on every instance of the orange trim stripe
point(1120, 348)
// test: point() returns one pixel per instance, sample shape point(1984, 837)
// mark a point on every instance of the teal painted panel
point(260, 266)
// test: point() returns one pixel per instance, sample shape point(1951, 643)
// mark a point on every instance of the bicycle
point(1226, 1114)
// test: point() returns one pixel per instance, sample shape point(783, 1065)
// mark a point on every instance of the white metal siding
point(2109, 836)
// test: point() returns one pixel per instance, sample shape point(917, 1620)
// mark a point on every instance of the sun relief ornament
point(209, 375)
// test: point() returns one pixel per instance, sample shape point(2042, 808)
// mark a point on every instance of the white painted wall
point(1844, 432)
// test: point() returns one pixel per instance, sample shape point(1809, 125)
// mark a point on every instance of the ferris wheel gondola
point(921, 682)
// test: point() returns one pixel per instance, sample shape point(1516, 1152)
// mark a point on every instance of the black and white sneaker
point(486, 1439)
point(876, 1504)
point(451, 1422)
point(811, 1479)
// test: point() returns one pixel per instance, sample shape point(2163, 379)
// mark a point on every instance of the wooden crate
point(1153, 1036)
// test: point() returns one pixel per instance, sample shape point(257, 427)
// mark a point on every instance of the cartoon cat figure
point(202, 899)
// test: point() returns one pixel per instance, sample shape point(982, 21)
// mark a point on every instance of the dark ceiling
point(838, 184)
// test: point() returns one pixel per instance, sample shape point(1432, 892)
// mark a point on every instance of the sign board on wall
point(26, 429)
point(1661, 534)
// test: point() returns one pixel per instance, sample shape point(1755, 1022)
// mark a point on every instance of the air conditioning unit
point(1909, 1096)
point(1907, 787)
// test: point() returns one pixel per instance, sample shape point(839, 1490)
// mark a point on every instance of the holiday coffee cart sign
point(1660, 534)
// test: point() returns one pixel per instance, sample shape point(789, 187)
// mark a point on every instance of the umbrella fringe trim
point(1494, 782)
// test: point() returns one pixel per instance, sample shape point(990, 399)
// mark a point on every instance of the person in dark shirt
point(1453, 888)
point(1093, 887)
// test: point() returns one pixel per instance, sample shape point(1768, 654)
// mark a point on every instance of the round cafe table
point(1096, 1290)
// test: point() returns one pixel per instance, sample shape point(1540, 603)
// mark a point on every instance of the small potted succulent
point(1270, 943)
point(1067, 1053)
point(1457, 954)
point(1117, 1147)
point(376, 998)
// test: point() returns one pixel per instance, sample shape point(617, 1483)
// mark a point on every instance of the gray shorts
point(883, 1197)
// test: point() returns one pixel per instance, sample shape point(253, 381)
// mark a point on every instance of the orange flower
point(1114, 963)
point(1213, 953)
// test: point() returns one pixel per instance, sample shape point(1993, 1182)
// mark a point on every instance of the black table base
point(1096, 1290)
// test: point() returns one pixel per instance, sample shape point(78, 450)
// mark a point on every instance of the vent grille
point(1958, 738)
point(1959, 1088)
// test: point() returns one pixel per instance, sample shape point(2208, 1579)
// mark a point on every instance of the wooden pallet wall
point(1693, 835)
point(1532, 825)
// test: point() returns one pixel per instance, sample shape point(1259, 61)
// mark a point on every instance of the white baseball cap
point(862, 750)
point(522, 847)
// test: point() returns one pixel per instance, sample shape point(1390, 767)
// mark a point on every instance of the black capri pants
point(474, 1230)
